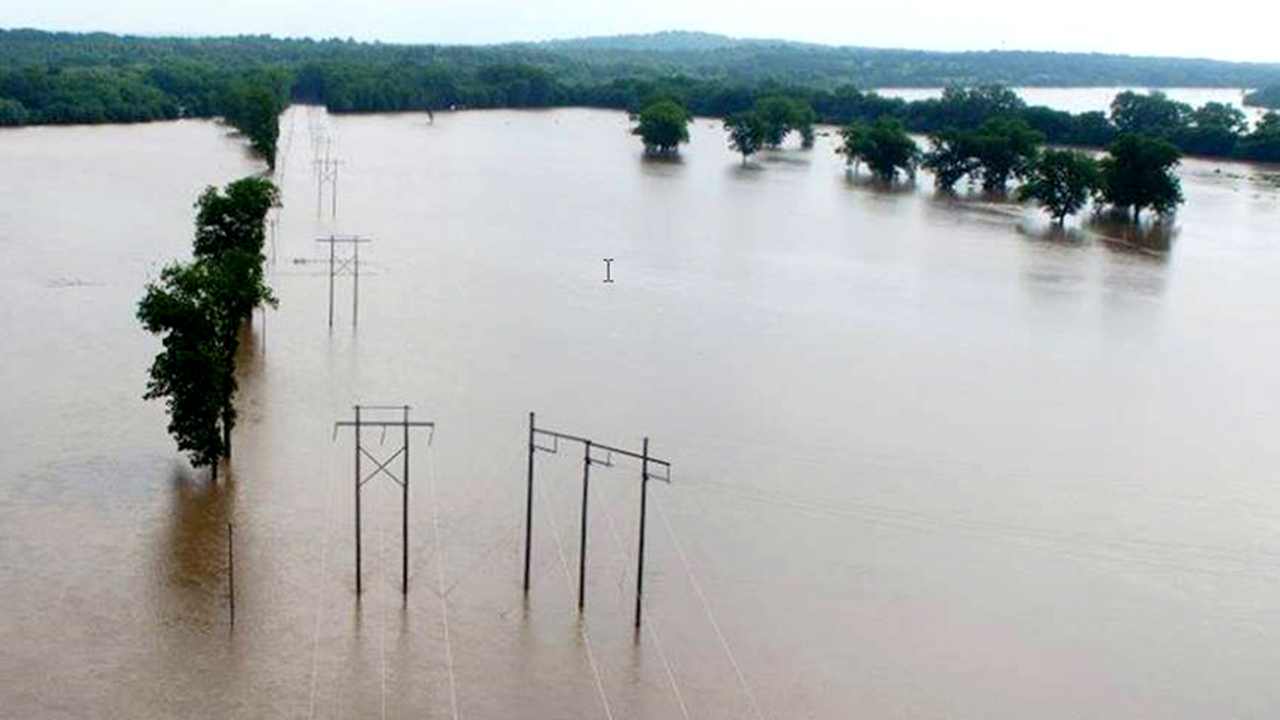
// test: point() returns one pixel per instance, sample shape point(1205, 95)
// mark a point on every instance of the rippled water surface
point(931, 458)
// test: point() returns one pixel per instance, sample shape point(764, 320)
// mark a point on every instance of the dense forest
point(93, 78)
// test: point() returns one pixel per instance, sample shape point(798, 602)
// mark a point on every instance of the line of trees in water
point(1212, 130)
point(199, 308)
point(1136, 174)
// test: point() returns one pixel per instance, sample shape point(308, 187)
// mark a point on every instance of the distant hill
point(665, 41)
point(702, 56)
point(720, 57)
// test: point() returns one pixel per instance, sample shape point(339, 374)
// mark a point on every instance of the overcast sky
point(1235, 31)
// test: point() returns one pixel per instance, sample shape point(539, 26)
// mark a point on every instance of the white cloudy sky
point(1234, 31)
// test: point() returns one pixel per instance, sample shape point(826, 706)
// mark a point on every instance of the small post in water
point(231, 571)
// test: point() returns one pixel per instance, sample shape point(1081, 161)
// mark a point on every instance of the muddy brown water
point(932, 459)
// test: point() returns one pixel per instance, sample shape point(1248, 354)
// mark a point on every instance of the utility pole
point(327, 174)
point(590, 457)
point(582, 540)
point(382, 419)
point(644, 497)
point(349, 265)
point(528, 508)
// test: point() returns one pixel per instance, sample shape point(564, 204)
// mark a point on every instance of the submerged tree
point(191, 373)
point(779, 115)
point(950, 158)
point(662, 124)
point(885, 147)
point(1061, 181)
point(1004, 148)
point(199, 308)
point(746, 133)
point(1138, 174)
point(232, 218)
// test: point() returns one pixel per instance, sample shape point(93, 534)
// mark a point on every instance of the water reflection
point(785, 158)
point(192, 551)
point(749, 171)
point(1052, 233)
point(862, 179)
point(663, 164)
point(1119, 232)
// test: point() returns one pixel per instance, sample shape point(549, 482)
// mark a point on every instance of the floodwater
point(931, 459)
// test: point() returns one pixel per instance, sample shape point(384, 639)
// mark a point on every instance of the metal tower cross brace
point(380, 420)
point(349, 265)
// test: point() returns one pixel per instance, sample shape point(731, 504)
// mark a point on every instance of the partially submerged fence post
point(231, 572)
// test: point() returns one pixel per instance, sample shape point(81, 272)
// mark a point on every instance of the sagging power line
point(592, 451)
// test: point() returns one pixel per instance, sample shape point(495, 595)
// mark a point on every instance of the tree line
point(61, 78)
point(250, 101)
point(198, 308)
point(1212, 130)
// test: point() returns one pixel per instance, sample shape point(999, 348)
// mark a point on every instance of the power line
point(324, 554)
point(582, 621)
point(653, 632)
point(444, 603)
point(715, 624)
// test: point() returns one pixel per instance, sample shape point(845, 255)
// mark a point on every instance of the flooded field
point(931, 459)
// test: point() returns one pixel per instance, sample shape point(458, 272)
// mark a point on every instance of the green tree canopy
point(191, 373)
point(1003, 148)
point(746, 133)
point(1264, 142)
point(1151, 114)
point(1138, 174)
point(663, 124)
point(951, 157)
point(780, 115)
point(1061, 181)
point(232, 218)
point(198, 309)
point(252, 105)
point(885, 147)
